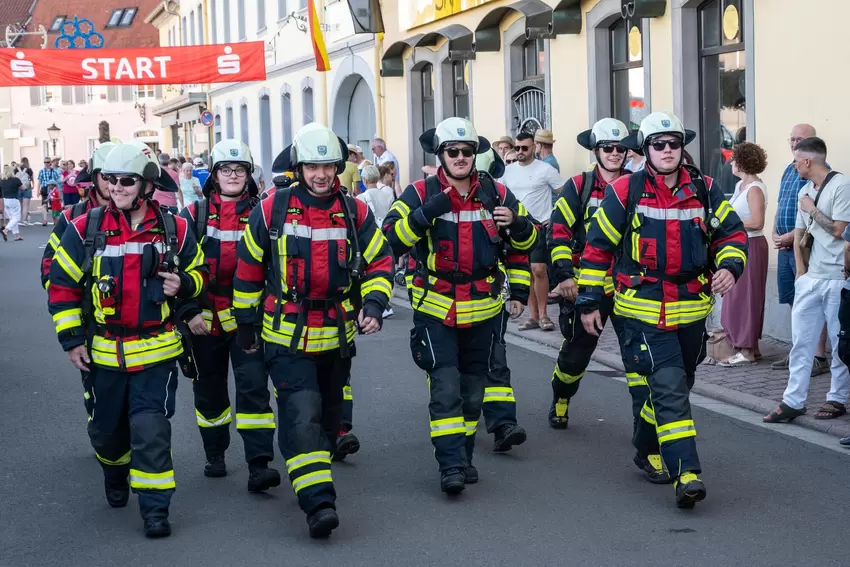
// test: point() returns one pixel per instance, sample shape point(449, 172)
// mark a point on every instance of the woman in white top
point(742, 314)
point(379, 197)
point(190, 187)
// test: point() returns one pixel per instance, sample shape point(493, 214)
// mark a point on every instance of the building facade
point(731, 69)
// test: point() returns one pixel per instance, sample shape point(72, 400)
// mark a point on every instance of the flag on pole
point(318, 40)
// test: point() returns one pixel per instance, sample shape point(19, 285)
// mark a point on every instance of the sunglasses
point(610, 149)
point(454, 152)
point(123, 181)
point(522, 148)
point(661, 144)
point(510, 161)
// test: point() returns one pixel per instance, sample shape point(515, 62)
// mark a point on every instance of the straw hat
point(544, 137)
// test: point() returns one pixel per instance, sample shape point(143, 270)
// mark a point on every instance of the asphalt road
point(564, 498)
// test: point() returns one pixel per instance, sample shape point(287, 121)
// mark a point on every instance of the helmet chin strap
point(601, 163)
point(449, 173)
point(139, 200)
point(657, 170)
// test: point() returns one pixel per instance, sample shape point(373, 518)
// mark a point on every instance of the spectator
point(24, 173)
point(386, 180)
point(634, 161)
point(503, 146)
point(378, 199)
point(823, 215)
point(533, 182)
point(83, 165)
point(783, 239)
point(383, 155)
point(510, 157)
point(171, 202)
point(200, 171)
point(545, 142)
point(54, 197)
point(9, 187)
point(44, 176)
point(70, 196)
point(742, 314)
point(259, 177)
point(190, 187)
point(350, 177)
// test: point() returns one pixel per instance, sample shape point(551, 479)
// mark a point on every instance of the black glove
point(437, 205)
point(246, 337)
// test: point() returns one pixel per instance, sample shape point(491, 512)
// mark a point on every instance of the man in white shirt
point(823, 215)
point(383, 155)
point(533, 182)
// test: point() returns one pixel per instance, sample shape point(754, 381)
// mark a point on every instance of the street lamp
point(53, 132)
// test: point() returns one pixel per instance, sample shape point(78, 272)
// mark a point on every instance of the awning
point(179, 102)
point(566, 17)
point(461, 41)
point(538, 24)
point(636, 9)
point(392, 63)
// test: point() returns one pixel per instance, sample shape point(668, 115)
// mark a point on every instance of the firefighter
point(678, 241)
point(304, 247)
point(457, 222)
point(218, 222)
point(579, 200)
point(119, 269)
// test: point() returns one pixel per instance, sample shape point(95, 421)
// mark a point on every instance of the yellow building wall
point(661, 62)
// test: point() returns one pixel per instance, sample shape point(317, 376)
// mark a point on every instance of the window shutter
point(112, 94)
point(158, 92)
point(67, 95)
point(127, 94)
point(35, 96)
point(80, 94)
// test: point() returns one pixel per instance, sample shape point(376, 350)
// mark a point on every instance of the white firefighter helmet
point(313, 143)
point(452, 130)
point(231, 151)
point(130, 159)
point(605, 131)
point(656, 124)
point(98, 157)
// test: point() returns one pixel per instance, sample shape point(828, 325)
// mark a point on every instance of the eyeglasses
point(123, 181)
point(229, 171)
point(522, 148)
point(510, 161)
point(610, 149)
point(795, 140)
point(454, 152)
point(661, 144)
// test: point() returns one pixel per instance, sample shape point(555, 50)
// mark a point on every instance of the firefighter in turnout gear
point(458, 222)
point(677, 240)
point(218, 222)
point(112, 283)
point(579, 200)
point(302, 255)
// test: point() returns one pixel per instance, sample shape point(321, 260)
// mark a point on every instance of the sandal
point(546, 324)
point(528, 325)
point(735, 361)
point(5, 234)
point(783, 413)
point(830, 410)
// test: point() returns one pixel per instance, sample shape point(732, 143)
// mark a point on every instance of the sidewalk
point(754, 387)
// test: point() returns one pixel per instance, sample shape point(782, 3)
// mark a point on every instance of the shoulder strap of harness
point(172, 244)
point(587, 182)
point(202, 215)
point(280, 204)
point(78, 210)
point(489, 195)
point(702, 194)
point(586, 189)
point(93, 241)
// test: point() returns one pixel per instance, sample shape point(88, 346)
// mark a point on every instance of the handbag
point(807, 241)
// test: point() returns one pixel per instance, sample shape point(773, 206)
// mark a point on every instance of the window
point(628, 101)
point(307, 99)
point(192, 28)
point(98, 93)
point(261, 14)
point(286, 114)
point(200, 11)
point(243, 123)
point(427, 80)
point(146, 92)
point(460, 88)
point(52, 95)
point(121, 18)
point(723, 117)
point(229, 119)
point(213, 21)
point(217, 128)
point(281, 9)
point(57, 23)
point(185, 32)
point(302, 4)
point(45, 148)
point(170, 38)
point(240, 8)
point(226, 21)
point(533, 58)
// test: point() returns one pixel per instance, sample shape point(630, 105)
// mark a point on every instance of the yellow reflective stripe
point(197, 261)
point(647, 414)
point(566, 378)
point(71, 268)
point(676, 430)
point(227, 320)
point(246, 299)
point(254, 421)
point(311, 479)
point(68, 319)
point(730, 252)
point(519, 276)
point(53, 241)
point(448, 426)
point(569, 216)
point(478, 310)
point(120, 461)
point(405, 233)
point(607, 228)
point(255, 251)
point(346, 393)
point(499, 394)
point(378, 284)
point(197, 280)
point(588, 276)
point(634, 379)
point(305, 459)
point(374, 247)
point(222, 419)
point(471, 427)
point(723, 211)
point(562, 253)
point(401, 207)
point(523, 245)
point(313, 339)
point(154, 481)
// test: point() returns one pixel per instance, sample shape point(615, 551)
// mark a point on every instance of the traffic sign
point(206, 118)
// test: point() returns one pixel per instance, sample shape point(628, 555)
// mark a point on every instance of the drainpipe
point(379, 84)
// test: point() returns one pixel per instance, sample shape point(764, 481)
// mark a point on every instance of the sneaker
point(507, 436)
point(261, 479)
point(347, 443)
point(388, 313)
point(322, 522)
point(653, 468)
point(215, 467)
point(820, 366)
point(471, 475)
point(779, 364)
point(689, 490)
point(452, 481)
point(157, 527)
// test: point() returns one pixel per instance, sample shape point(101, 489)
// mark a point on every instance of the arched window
point(243, 122)
point(228, 115)
point(428, 110)
point(460, 88)
point(286, 115)
point(217, 128)
point(266, 134)
point(307, 105)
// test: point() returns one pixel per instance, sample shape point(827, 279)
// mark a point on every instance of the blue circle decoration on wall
point(78, 34)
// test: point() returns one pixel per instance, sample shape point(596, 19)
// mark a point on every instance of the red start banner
point(221, 63)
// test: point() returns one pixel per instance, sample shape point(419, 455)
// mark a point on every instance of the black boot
point(653, 468)
point(157, 527)
point(559, 415)
point(346, 444)
point(215, 467)
point(689, 490)
point(452, 481)
point(322, 522)
point(117, 490)
point(471, 475)
point(261, 478)
point(507, 436)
